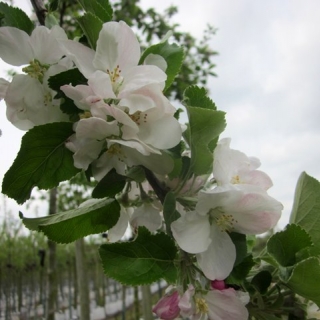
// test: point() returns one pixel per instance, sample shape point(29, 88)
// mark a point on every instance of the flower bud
point(167, 307)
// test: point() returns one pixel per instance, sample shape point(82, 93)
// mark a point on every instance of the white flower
point(242, 208)
point(233, 166)
point(41, 48)
point(116, 57)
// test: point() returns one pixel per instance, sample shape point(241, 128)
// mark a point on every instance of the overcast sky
point(268, 83)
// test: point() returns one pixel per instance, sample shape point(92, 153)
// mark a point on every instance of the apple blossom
point(167, 307)
point(233, 166)
point(3, 88)
point(242, 208)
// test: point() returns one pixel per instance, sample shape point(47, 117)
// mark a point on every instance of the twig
point(40, 10)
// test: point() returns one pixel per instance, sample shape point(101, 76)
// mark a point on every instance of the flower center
point(224, 221)
point(116, 79)
point(36, 70)
point(235, 180)
point(201, 306)
point(139, 117)
point(115, 150)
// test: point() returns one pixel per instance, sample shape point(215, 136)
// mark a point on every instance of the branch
point(40, 10)
point(156, 185)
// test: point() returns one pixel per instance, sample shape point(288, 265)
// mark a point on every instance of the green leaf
point(91, 25)
point(110, 185)
point(53, 5)
point(261, 281)
point(197, 96)
point(100, 8)
point(170, 213)
point(285, 245)
point(240, 242)
point(136, 173)
point(172, 53)
point(305, 279)
point(143, 261)
point(74, 224)
point(43, 161)
point(15, 17)
point(205, 126)
point(306, 207)
point(72, 76)
point(240, 271)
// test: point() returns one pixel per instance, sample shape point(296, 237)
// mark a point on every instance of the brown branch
point(156, 185)
point(40, 10)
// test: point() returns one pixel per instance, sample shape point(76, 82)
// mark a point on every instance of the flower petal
point(118, 230)
point(218, 260)
point(12, 40)
point(117, 45)
point(225, 305)
point(191, 231)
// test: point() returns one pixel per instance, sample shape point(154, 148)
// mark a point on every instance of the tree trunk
point(146, 303)
point(83, 280)
point(52, 277)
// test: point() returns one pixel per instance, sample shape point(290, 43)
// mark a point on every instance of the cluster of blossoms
point(126, 121)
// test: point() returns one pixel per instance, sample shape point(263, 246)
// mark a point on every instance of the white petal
point(81, 55)
point(156, 60)
point(15, 46)
point(191, 232)
point(101, 84)
point(45, 46)
point(137, 102)
point(96, 128)
point(218, 260)
point(118, 231)
point(225, 305)
point(140, 76)
point(165, 133)
point(117, 45)
point(78, 94)
point(148, 216)
point(3, 88)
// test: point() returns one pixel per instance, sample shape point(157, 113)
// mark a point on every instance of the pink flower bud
point(218, 285)
point(167, 307)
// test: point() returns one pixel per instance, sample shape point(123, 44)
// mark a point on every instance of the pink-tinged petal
point(117, 45)
point(46, 47)
point(218, 260)
point(78, 94)
point(101, 84)
point(186, 304)
point(118, 230)
point(96, 128)
point(254, 212)
point(191, 231)
point(81, 55)
point(12, 40)
point(167, 307)
point(225, 305)
point(218, 284)
point(257, 178)
point(3, 88)
point(140, 76)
